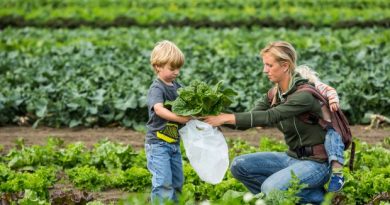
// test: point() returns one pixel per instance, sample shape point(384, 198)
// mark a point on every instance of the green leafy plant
point(88, 177)
point(31, 198)
point(136, 179)
point(29, 157)
point(111, 155)
point(199, 99)
point(38, 181)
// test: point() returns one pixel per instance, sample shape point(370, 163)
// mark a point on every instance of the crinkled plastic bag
point(206, 150)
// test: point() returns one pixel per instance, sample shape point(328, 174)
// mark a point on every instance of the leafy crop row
point(360, 4)
point(116, 168)
point(99, 77)
point(105, 13)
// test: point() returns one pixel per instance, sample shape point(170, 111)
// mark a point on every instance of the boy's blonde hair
point(166, 52)
point(306, 72)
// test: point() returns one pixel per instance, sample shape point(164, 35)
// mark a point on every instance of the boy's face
point(166, 73)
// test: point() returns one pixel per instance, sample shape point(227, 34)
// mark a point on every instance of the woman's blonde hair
point(308, 73)
point(166, 52)
point(283, 52)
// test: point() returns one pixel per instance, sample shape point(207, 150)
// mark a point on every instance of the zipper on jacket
point(296, 129)
point(281, 125)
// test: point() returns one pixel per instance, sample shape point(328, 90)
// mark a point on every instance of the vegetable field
point(85, 64)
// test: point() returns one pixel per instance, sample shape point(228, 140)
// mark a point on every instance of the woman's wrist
point(229, 119)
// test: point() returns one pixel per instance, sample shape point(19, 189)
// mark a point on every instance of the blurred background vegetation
point(86, 63)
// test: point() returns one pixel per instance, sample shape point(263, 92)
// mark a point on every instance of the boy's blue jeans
point(334, 146)
point(267, 171)
point(165, 164)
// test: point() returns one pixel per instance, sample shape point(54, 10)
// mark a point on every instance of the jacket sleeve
point(262, 104)
point(296, 103)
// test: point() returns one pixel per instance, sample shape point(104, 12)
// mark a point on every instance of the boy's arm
point(166, 114)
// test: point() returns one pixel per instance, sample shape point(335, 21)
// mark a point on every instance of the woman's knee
point(272, 184)
point(237, 166)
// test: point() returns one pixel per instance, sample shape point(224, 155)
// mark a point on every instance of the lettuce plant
point(200, 99)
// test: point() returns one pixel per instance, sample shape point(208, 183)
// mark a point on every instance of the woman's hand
point(220, 119)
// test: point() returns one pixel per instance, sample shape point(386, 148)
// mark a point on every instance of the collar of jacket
point(295, 81)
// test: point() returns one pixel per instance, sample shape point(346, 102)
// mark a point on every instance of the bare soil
point(90, 136)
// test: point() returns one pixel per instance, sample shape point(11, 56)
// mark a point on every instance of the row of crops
point(99, 77)
point(86, 63)
point(106, 13)
point(113, 165)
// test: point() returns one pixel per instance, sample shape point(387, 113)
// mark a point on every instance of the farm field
point(74, 77)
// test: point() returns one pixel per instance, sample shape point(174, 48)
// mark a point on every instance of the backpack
point(338, 120)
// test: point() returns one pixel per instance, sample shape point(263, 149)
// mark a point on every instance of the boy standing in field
point(333, 143)
point(162, 142)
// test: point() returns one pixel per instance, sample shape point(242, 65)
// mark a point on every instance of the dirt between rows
point(90, 136)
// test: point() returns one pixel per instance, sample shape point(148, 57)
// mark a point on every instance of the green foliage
point(239, 147)
point(139, 160)
point(268, 144)
point(227, 13)
point(95, 203)
point(73, 155)
point(137, 179)
point(111, 155)
point(371, 175)
point(363, 185)
point(39, 181)
point(199, 99)
point(31, 198)
point(86, 77)
point(195, 188)
point(220, 189)
point(30, 157)
point(88, 177)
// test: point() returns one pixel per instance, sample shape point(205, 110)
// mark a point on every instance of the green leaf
point(74, 122)
point(41, 107)
point(200, 99)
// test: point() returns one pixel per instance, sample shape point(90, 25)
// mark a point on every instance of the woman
point(306, 156)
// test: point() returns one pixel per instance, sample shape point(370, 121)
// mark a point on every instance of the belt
point(316, 151)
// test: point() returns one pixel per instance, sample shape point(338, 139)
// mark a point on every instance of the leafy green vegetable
point(199, 99)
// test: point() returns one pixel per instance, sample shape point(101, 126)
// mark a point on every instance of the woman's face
point(275, 71)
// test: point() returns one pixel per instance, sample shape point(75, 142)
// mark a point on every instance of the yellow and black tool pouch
point(170, 133)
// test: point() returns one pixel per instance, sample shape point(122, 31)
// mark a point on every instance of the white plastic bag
point(206, 150)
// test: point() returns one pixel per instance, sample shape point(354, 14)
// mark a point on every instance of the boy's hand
point(334, 107)
point(185, 119)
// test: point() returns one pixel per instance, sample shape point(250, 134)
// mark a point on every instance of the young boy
point(333, 143)
point(162, 142)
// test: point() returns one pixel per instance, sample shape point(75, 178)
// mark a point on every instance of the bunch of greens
point(200, 99)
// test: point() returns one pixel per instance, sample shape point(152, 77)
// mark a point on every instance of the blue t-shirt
point(159, 92)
